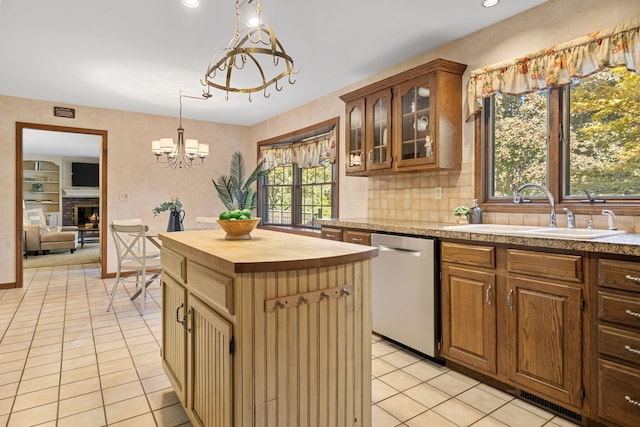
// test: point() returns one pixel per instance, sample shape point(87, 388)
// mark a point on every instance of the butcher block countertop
point(266, 251)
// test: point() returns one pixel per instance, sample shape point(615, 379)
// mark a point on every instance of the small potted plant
point(238, 197)
point(176, 215)
point(462, 214)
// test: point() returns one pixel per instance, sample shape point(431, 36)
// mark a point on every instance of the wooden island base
point(273, 331)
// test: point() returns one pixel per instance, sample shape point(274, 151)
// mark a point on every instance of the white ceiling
point(136, 55)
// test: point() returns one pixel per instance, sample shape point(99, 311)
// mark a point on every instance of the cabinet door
point(209, 368)
point(414, 138)
point(378, 130)
point(174, 344)
point(355, 136)
point(469, 317)
point(545, 338)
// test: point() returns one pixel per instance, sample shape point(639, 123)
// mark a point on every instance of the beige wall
point(132, 169)
point(131, 166)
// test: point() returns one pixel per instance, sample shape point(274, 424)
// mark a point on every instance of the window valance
point(307, 154)
point(617, 46)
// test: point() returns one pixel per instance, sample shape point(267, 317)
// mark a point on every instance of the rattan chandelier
point(256, 52)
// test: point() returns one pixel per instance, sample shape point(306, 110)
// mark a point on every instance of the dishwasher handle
point(403, 251)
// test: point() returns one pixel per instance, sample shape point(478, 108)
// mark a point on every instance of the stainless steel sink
point(574, 233)
point(527, 230)
point(492, 228)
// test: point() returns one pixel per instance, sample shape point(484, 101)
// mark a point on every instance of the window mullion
point(554, 143)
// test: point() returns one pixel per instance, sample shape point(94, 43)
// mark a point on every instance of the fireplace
point(86, 213)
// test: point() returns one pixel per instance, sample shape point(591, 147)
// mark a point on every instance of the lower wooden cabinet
point(618, 393)
point(345, 235)
point(545, 338)
point(469, 317)
point(617, 342)
point(174, 338)
point(196, 355)
point(510, 315)
point(209, 347)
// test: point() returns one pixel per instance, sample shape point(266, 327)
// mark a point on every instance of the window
point(301, 185)
point(582, 136)
point(296, 197)
point(604, 135)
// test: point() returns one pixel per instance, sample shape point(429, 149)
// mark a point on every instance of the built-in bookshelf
point(41, 185)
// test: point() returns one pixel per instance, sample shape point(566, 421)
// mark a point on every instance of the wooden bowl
point(238, 229)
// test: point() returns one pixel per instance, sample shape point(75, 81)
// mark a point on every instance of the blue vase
point(175, 220)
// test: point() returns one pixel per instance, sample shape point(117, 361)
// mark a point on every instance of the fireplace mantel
point(81, 192)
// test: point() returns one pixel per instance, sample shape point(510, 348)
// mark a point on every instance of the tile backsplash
point(413, 197)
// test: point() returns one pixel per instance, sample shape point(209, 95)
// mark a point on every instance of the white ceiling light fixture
point(191, 3)
point(246, 52)
point(490, 3)
point(188, 154)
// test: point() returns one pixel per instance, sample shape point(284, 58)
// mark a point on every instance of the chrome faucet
point(517, 198)
point(571, 219)
point(611, 218)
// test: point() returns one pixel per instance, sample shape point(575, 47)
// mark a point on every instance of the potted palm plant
point(237, 195)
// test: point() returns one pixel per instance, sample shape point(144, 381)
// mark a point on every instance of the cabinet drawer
point(481, 256)
point(210, 286)
point(359, 237)
point(174, 264)
point(618, 393)
point(619, 274)
point(619, 343)
point(542, 264)
point(619, 308)
point(331, 233)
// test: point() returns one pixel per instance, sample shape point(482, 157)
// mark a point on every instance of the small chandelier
point(185, 153)
point(245, 50)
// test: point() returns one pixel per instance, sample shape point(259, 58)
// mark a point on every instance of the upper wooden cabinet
point(407, 122)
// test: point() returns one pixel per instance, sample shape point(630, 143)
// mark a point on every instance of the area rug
point(88, 255)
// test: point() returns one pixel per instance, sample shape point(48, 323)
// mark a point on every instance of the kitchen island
point(275, 330)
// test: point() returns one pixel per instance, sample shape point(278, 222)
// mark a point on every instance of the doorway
point(28, 135)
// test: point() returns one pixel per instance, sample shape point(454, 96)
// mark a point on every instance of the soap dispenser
point(475, 217)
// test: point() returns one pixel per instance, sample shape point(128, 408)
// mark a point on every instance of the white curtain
point(307, 154)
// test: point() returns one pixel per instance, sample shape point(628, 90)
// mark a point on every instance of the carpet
point(90, 254)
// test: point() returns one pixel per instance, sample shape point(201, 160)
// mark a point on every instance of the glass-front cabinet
point(378, 130)
point(415, 139)
point(355, 136)
point(369, 133)
point(412, 121)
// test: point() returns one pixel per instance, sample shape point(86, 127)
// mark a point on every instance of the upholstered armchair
point(42, 238)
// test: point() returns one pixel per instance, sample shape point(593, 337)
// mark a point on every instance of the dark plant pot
point(175, 220)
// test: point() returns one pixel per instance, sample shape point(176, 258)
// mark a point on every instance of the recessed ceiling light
point(191, 3)
point(490, 3)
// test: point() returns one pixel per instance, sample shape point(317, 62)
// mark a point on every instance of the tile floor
point(64, 361)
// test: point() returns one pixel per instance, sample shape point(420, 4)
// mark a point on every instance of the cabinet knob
point(509, 302)
point(488, 295)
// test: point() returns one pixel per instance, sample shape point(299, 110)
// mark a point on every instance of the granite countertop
point(622, 244)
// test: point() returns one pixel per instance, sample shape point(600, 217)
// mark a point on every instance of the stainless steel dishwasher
point(403, 291)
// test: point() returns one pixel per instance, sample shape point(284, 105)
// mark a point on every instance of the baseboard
point(8, 285)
